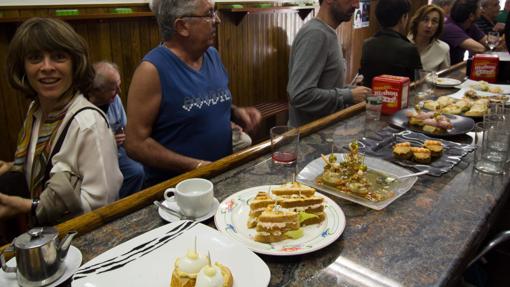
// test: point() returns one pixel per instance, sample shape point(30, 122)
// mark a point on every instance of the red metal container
point(484, 67)
point(394, 91)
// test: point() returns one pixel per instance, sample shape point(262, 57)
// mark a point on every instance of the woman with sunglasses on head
point(425, 28)
point(65, 149)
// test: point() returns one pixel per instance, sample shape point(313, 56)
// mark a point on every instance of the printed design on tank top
point(211, 98)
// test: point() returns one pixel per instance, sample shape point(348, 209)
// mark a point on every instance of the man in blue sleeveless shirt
point(179, 104)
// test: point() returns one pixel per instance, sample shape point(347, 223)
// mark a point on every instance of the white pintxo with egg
point(189, 268)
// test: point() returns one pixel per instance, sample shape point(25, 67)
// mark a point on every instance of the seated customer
point(389, 52)
point(460, 31)
point(426, 26)
point(105, 95)
point(487, 21)
point(179, 104)
point(316, 85)
point(48, 62)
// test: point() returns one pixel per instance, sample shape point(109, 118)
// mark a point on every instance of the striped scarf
point(47, 133)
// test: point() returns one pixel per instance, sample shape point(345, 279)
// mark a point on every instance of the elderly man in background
point(389, 51)
point(460, 31)
point(446, 5)
point(487, 21)
point(105, 95)
point(317, 67)
point(179, 104)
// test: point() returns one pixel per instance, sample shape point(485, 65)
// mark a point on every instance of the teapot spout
point(64, 245)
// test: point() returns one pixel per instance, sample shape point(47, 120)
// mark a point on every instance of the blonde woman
point(425, 28)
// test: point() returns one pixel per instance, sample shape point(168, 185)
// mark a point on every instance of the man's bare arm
point(474, 46)
point(144, 100)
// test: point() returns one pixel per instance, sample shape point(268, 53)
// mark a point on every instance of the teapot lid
point(35, 237)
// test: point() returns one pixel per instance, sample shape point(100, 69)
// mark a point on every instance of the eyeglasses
point(211, 15)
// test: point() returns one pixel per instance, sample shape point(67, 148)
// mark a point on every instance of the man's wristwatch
point(35, 203)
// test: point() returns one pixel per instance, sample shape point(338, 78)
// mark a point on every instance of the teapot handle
point(7, 269)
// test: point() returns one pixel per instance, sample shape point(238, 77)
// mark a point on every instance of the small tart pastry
point(435, 147)
point(214, 276)
point(186, 269)
point(421, 155)
point(402, 150)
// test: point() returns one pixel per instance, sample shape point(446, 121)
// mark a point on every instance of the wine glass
point(492, 40)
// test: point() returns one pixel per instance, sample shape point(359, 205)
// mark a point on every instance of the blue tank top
point(194, 114)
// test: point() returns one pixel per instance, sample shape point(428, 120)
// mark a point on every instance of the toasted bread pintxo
point(421, 155)
point(293, 188)
point(477, 111)
point(435, 147)
point(257, 205)
point(274, 223)
point(402, 150)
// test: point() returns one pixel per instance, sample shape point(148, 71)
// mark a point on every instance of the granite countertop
point(424, 238)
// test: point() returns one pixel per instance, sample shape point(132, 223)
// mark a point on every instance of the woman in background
point(48, 62)
point(424, 31)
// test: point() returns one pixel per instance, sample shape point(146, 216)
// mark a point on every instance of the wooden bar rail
point(96, 218)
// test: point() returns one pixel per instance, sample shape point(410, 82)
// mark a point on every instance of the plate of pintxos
point(432, 123)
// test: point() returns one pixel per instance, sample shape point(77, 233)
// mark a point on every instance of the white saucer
point(72, 263)
point(173, 205)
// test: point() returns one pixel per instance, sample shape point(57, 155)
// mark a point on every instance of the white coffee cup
point(194, 196)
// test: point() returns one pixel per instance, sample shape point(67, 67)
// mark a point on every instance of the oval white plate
point(447, 82)
point(232, 217)
point(148, 259)
point(72, 263)
point(173, 205)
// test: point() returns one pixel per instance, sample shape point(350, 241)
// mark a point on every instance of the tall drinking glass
point(284, 144)
point(492, 40)
point(424, 85)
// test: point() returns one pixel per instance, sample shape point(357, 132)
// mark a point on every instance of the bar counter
point(424, 238)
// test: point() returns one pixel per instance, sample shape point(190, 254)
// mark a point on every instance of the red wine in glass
point(284, 157)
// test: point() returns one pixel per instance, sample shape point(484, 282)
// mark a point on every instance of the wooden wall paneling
point(116, 30)
point(99, 41)
point(255, 53)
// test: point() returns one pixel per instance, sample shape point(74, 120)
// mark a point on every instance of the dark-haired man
point(316, 85)
point(389, 51)
point(446, 5)
point(460, 31)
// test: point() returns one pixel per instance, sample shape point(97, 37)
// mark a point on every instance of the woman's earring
point(23, 80)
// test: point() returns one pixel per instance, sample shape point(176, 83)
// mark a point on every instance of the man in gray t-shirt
point(317, 67)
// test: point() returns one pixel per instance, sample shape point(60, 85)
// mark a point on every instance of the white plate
point(72, 263)
point(466, 85)
point(316, 167)
point(460, 93)
point(173, 205)
point(148, 260)
point(447, 82)
point(232, 217)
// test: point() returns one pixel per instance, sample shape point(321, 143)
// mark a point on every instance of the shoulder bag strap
point(61, 138)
